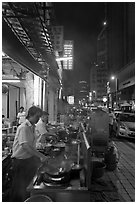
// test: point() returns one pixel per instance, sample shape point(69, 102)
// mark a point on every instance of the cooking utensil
point(60, 169)
point(59, 144)
point(59, 173)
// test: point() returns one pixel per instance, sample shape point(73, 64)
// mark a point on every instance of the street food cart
point(68, 174)
point(72, 184)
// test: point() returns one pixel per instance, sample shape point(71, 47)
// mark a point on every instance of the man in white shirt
point(41, 129)
point(25, 156)
point(21, 117)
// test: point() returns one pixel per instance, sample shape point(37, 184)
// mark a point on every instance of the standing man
point(26, 158)
point(21, 117)
point(41, 129)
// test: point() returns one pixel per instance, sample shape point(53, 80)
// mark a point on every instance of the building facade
point(121, 50)
point(116, 51)
point(32, 51)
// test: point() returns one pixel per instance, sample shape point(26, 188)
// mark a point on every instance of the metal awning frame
point(43, 54)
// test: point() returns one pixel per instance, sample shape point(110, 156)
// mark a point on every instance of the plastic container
point(98, 169)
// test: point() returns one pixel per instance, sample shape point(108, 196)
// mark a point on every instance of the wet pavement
point(118, 185)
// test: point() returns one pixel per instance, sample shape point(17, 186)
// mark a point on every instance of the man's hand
point(44, 158)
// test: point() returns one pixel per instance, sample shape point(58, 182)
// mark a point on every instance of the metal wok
point(55, 170)
point(62, 170)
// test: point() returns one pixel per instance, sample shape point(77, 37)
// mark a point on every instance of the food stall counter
point(73, 186)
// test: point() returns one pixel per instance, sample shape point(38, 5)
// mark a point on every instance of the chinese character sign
point(57, 37)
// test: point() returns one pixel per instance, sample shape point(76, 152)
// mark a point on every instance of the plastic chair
point(38, 198)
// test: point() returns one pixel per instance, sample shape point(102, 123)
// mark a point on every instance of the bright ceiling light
point(113, 77)
point(104, 23)
point(63, 58)
point(10, 80)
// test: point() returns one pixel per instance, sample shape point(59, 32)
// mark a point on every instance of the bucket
point(98, 169)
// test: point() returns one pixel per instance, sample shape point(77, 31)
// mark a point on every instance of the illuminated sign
point(68, 52)
point(70, 99)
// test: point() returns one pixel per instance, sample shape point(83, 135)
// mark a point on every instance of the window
point(127, 118)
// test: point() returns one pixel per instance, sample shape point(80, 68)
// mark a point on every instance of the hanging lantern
point(5, 88)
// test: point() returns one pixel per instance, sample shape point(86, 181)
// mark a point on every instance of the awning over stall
point(26, 36)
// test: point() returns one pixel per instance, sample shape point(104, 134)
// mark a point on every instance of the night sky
point(82, 23)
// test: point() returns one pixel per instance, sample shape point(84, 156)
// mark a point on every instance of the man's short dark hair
point(22, 107)
point(33, 110)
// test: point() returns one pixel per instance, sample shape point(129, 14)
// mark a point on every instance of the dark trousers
point(23, 173)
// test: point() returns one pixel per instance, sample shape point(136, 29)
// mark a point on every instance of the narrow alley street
point(118, 185)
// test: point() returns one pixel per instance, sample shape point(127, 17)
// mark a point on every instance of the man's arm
point(34, 152)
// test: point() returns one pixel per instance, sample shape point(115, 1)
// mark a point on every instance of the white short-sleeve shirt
point(25, 134)
point(41, 127)
point(21, 117)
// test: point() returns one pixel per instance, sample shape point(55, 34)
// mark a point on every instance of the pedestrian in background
point(21, 116)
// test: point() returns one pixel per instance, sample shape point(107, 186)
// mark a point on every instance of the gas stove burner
point(60, 185)
point(55, 180)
